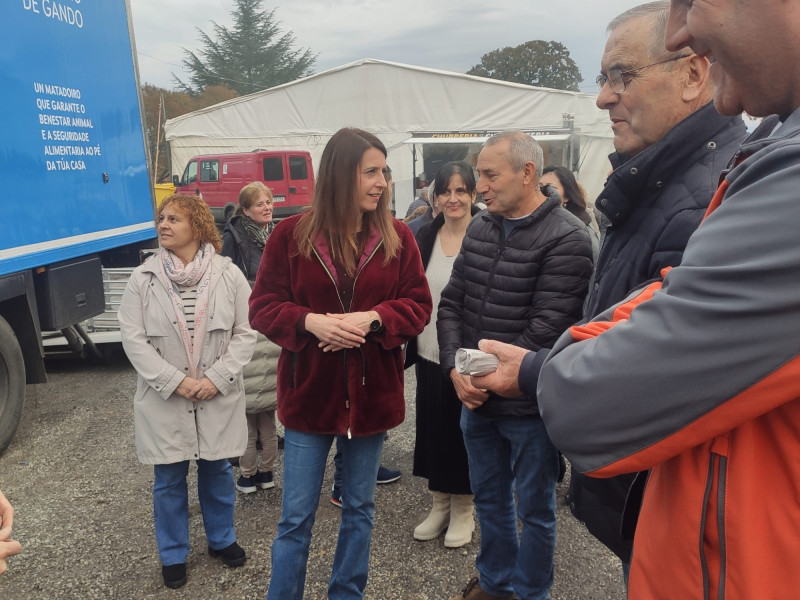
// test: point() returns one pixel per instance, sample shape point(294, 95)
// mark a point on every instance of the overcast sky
point(430, 33)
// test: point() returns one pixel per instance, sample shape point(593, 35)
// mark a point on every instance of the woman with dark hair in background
point(243, 240)
point(439, 452)
point(573, 198)
point(344, 290)
point(183, 320)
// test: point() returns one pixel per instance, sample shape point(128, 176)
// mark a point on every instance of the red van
point(217, 178)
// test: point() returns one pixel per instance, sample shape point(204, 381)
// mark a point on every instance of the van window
point(209, 170)
point(298, 168)
point(189, 174)
point(273, 168)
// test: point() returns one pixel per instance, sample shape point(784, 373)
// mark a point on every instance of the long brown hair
point(334, 211)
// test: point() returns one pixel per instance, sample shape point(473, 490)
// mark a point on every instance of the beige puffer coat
point(169, 427)
point(261, 376)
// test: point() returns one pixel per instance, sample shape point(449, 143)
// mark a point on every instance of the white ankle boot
point(437, 521)
point(462, 523)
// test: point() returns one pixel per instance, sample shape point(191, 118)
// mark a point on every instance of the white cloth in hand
point(475, 362)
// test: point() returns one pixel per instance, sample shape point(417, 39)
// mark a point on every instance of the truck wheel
point(12, 384)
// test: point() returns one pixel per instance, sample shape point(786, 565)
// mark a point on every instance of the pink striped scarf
point(173, 273)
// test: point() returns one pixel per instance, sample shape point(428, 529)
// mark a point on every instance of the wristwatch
point(375, 324)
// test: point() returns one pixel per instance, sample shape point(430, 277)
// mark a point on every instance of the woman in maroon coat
point(341, 289)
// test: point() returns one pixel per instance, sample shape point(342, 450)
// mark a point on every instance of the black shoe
point(280, 442)
point(246, 485)
point(174, 575)
point(264, 480)
point(386, 475)
point(232, 556)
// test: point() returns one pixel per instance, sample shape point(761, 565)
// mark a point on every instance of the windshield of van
point(189, 174)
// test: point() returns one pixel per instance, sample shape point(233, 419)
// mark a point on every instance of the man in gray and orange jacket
point(698, 379)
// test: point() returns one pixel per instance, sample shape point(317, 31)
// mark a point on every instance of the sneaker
point(174, 575)
point(232, 556)
point(246, 485)
point(263, 480)
point(387, 475)
point(336, 496)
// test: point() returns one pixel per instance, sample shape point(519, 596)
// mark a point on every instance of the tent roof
point(385, 97)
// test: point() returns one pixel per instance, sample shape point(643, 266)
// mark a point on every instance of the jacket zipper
point(361, 350)
point(714, 497)
point(723, 556)
point(355, 280)
point(497, 256)
point(344, 352)
point(330, 275)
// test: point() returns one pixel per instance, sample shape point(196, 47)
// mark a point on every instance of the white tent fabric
point(392, 101)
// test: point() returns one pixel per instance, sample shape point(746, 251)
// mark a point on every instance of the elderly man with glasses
point(671, 145)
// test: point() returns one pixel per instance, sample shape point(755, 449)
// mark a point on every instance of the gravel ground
point(84, 513)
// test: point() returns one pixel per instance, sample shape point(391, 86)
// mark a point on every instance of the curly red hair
point(200, 217)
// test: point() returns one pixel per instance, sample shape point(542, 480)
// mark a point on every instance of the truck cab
point(218, 178)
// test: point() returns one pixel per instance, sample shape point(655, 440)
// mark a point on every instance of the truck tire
point(12, 384)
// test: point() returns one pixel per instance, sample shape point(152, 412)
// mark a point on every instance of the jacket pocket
point(156, 323)
point(222, 312)
point(158, 328)
point(713, 542)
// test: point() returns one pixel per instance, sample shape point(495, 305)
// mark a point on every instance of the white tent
point(392, 101)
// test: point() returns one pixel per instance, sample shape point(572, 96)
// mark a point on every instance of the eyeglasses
point(616, 79)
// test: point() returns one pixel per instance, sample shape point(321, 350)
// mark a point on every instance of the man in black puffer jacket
point(521, 278)
point(670, 153)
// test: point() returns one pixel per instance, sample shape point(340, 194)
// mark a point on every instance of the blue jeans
point(216, 492)
point(305, 456)
point(502, 451)
point(337, 463)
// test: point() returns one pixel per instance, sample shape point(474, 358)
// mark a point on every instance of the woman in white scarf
point(183, 319)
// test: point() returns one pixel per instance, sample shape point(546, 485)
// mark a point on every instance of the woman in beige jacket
point(243, 241)
point(183, 319)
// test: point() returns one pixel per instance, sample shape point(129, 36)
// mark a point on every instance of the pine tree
point(250, 56)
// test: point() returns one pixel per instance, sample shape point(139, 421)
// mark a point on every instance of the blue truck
point(77, 188)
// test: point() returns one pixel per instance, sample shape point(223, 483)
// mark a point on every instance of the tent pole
point(414, 169)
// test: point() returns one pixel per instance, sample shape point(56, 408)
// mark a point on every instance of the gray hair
point(658, 13)
point(522, 149)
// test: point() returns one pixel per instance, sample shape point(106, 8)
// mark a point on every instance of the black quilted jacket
point(524, 290)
